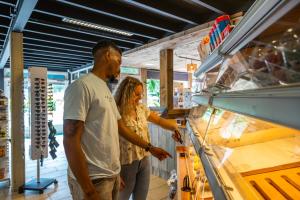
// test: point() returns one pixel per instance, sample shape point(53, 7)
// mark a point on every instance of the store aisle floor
point(57, 169)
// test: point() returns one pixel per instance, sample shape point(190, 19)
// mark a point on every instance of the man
point(91, 127)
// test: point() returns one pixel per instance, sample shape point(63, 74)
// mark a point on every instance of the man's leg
point(106, 188)
point(116, 189)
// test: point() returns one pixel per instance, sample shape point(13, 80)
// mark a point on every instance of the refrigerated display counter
point(250, 158)
point(246, 127)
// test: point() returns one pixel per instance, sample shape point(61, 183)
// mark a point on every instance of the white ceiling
point(184, 44)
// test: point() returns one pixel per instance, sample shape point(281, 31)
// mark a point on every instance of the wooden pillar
point(17, 115)
point(144, 80)
point(166, 78)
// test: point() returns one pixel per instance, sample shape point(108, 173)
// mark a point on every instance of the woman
point(135, 171)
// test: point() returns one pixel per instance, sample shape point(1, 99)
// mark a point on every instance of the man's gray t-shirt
point(88, 99)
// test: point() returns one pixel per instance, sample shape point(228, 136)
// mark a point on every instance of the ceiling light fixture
point(190, 68)
point(95, 26)
point(149, 64)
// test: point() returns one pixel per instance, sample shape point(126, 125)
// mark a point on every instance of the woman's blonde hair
point(124, 93)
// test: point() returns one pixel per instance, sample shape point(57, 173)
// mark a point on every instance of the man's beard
point(112, 79)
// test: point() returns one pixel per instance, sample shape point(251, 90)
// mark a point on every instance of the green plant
point(153, 92)
point(153, 87)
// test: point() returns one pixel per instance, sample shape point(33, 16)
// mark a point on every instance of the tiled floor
point(57, 169)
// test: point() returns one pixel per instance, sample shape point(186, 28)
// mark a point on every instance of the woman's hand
point(159, 153)
point(177, 136)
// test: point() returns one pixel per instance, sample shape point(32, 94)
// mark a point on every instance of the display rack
point(38, 113)
point(38, 129)
point(53, 144)
point(4, 139)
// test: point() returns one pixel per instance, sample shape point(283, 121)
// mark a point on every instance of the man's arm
point(136, 140)
point(73, 130)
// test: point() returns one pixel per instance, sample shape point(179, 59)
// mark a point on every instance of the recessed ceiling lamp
point(95, 26)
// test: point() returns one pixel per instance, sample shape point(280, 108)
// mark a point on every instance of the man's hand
point(159, 153)
point(92, 196)
point(122, 184)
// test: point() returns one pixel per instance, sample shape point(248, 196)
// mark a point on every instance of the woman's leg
point(128, 174)
point(142, 182)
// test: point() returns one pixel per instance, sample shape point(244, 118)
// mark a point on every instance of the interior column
point(17, 113)
point(166, 78)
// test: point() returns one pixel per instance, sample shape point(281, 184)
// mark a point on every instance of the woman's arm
point(129, 135)
point(169, 124)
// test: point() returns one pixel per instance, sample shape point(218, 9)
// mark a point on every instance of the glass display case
point(271, 59)
point(246, 127)
point(253, 159)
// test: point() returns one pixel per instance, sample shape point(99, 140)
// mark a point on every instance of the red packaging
point(211, 41)
point(217, 37)
point(226, 31)
point(213, 35)
point(221, 23)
